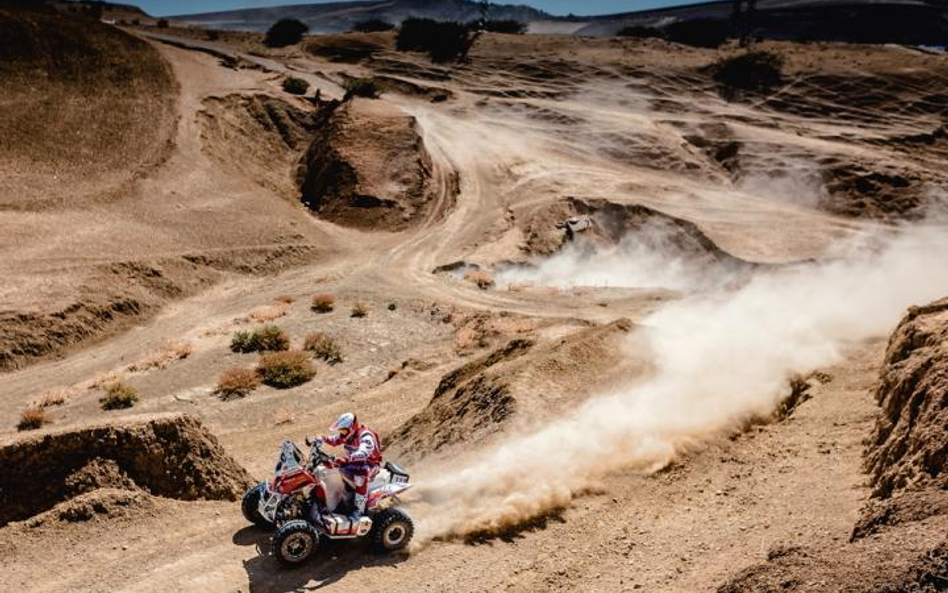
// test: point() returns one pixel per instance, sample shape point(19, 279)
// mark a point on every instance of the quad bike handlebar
point(316, 454)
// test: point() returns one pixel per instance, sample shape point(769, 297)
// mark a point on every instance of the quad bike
point(307, 500)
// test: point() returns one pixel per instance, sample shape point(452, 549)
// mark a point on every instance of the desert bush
point(699, 32)
point(359, 309)
point(162, 23)
point(323, 347)
point(372, 26)
point(443, 41)
point(286, 369)
point(749, 71)
point(508, 26)
point(236, 382)
point(119, 396)
point(368, 88)
point(295, 86)
point(285, 32)
point(323, 303)
point(136, 22)
point(212, 35)
point(268, 337)
point(32, 418)
point(640, 32)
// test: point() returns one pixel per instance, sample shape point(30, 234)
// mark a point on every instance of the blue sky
point(561, 7)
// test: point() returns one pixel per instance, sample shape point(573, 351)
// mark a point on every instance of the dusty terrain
point(633, 372)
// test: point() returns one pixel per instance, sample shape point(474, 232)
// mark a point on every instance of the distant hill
point(867, 21)
point(337, 17)
point(914, 22)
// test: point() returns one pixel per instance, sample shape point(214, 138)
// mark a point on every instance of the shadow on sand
point(331, 562)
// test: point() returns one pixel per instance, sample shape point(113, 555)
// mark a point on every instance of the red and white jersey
point(362, 446)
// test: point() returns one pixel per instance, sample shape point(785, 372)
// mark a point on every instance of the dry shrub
point(482, 279)
point(236, 382)
point(267, 313)
point(160, 358)
point(32, 418)
point(285, 299)
point(323, 347)
point(119, 396)
point(283, 416)
point(267, 338)
point(359, 309)
point(323, 303)
point(283, 370)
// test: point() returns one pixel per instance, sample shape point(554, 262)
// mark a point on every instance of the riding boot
point(358, 506)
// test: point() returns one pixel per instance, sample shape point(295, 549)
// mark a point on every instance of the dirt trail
point(517, 147)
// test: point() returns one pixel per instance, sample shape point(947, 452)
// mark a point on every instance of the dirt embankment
point(898, 543)
point(369, 168)
point(86, 107)
point(520, 384)
point(172, 456)
point(546, 232)
point(115, 296)
point(259, 137)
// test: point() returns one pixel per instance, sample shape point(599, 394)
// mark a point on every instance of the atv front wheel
point(294, 543)
point(250, 506)
point(391, 530)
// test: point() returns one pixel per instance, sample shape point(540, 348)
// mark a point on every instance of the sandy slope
point(592, 120)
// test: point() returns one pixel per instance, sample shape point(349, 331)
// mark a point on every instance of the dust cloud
point(723, 358)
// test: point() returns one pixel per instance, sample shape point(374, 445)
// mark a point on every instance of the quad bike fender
point(385, 494)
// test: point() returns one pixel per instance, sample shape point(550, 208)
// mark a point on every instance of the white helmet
point(345, 424)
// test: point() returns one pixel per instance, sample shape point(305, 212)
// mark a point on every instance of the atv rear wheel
point(250, 506)
point(294, 543)
point(391, 530)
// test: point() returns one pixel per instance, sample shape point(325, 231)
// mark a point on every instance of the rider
point(362, 459)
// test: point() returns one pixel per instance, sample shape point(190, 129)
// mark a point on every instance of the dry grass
point(103, 380)
point(119, 396)
point(32, 418)
point(54, 397)
point(323, 347)
point(359, 309)
point(323, 303)
point(285, 299)
point(480, 278)
point(159, 359)
point(283, 416)
point(284, 370)
point(236, 382)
